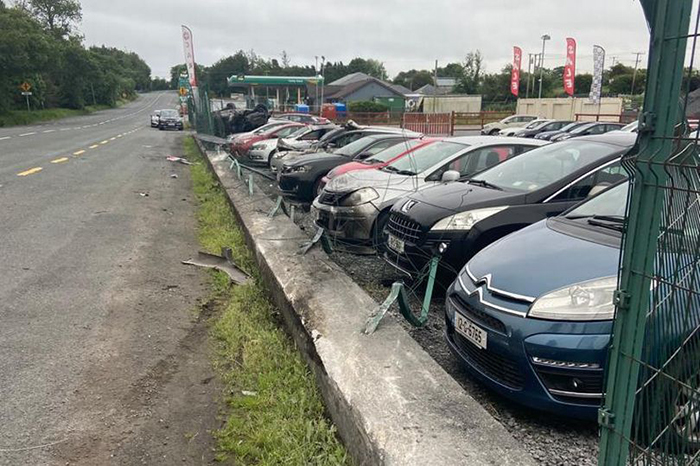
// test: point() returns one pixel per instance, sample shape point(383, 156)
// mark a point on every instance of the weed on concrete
point(275, 412)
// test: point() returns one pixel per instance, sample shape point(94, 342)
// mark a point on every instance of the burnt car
point(301, 180)
point(457, 220)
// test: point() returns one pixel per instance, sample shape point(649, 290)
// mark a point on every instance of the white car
point(513, 121)
point(534, 124)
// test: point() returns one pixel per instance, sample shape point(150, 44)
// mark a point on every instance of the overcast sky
point(403, 34)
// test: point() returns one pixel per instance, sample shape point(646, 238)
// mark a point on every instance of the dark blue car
point(531, 315)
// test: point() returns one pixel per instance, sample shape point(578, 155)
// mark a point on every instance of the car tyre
point(269, 159)
point(379, 237)
point(494, 132)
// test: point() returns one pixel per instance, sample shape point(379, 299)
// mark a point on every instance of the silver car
point(354, 207)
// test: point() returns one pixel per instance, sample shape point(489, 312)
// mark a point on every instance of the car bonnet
point(538, 259)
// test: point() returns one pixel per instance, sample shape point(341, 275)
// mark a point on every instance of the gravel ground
point(553, 441)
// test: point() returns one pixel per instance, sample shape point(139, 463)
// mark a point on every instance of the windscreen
point(545, 165)
point(354, 147)
point(393, 151)
point(169, 113)
point(582, 128)
point(611, 203)
point(425, 157)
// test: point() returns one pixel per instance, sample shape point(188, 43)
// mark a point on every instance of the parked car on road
point(457, 220)
point(532, 125)
point(595, 127)
point(548, 135)
point(530, 315)
point(240, 147)
point(355, 207)
point(301, 180)
point(513, 121)
point(551, 125)
point(305, 118)
point(170, 119)
point(155, 119)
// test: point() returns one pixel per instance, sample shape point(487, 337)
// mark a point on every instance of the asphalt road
point(102, 336)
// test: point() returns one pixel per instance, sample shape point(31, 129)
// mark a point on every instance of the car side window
point(598, 129)
point(377, 148)
point(312, 136)
point(284, 132)
point(606, 176)
point(486, 158)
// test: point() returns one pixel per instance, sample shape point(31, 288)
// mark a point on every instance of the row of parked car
point(529, 126)
point(528, 233)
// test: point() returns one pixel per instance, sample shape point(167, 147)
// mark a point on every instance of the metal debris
point(223, 263)
point(172, 158)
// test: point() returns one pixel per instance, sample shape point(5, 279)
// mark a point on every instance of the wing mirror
point(450, 176)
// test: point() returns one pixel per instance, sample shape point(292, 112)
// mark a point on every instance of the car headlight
point(585, 301)
point(279, 155)
point(464, 221)
point(299, 169)
point(359, 197)
point(259, 147)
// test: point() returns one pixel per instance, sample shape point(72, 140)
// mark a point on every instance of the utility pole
point(529, 64)
point(436, 85)
point(634, 75)
point(323, 76)
point(316, 87)
point(544, 38)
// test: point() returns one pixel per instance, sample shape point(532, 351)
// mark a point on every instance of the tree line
point(40, 45)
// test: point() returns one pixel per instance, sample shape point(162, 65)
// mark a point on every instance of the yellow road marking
point(112, 139)
point(30, 172)
point(61, 160)
point(104, 142)
point(95, 146)
point(119, 135)
point(80, 152)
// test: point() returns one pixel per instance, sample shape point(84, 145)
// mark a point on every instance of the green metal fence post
point(669, 21)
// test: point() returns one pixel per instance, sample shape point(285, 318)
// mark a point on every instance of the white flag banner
point(189, 54)
point(598, 67)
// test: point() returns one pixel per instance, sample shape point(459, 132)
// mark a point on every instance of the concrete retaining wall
point(392, 403)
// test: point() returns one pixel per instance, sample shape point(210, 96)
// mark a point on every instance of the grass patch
point(276, 415)
point(23, 117)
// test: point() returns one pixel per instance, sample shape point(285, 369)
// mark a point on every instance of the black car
point(551, 126)
point(300, 180)
point(170, 119)
point(548, 135)
point(594, 127)
point(457, 220)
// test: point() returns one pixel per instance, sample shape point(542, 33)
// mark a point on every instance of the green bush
point(367, 106)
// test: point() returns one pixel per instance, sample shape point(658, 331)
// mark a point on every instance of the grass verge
point(275, 414)
point(24, 117)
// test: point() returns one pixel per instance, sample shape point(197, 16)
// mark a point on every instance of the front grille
point(497, 367)
point(404, 229)
point(330, 198)
point(477, 315)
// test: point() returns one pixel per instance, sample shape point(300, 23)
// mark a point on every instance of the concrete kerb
point(391, 402)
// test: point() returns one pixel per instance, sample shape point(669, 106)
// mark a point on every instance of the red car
point(241, 145)
point(380, 160)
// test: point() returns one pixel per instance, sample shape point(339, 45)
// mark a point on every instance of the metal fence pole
point(668, 18)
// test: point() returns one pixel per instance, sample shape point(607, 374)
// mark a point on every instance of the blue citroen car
point(531, 314)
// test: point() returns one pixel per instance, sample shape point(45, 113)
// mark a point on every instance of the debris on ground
point(143, 194)
point(173, 175)
point(172, 158)
point(223, 263)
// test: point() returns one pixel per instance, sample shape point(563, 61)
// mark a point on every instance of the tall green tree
point(58, 16)
point(470, 80)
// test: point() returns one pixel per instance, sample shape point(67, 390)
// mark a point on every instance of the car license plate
point(396, 244)
point(470, 331)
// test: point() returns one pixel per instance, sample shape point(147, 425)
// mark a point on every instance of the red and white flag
point(189, 54)
point(570, 67)
point(515, 74)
